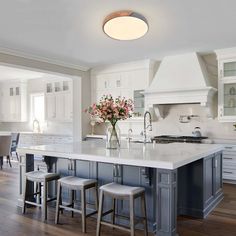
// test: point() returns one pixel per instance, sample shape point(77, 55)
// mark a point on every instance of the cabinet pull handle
point(227, 172)
point(228, 147)
point(228, 158)
point(114, 171)
point(216, 163)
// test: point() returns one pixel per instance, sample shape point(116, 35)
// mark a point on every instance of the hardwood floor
point(222, 222)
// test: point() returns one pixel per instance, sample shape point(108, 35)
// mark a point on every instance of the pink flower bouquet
point(112, 110)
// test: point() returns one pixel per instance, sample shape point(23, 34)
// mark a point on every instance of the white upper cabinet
point(227, 85)
point(13, 102)
point(121, 79)
point(59, 101)
point(50, 102)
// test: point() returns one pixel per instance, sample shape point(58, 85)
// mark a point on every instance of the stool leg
point(114, 210)
point(96, 196)
point(24, 196)
point(144, 211)
point(17, 157)
point(58, 202)
point(131, 205)
point(9, 160)
point(45, 196)
point(72, 201)
point(40, 193)
point(100, 209)
point(83, 206)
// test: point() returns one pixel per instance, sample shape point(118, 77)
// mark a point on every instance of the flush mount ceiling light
point(125, 25)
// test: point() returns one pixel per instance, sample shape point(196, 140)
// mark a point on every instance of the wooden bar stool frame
point(133, 222)
point(70, 207)
point(38, 194)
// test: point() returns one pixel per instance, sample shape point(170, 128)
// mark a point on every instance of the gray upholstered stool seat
point(121, 190)
point(74, 183)
point(118, 191)
point(39, 177)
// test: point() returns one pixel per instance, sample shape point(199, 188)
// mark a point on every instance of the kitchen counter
point(179, 178)
point(166, 156)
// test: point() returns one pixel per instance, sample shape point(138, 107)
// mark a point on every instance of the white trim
point(29, 56)
point(123, 67)
point(202, 96)
point(226, 53)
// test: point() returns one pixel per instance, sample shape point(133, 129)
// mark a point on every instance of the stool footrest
point(92, 213)
point(107, 212)
point(70, 209)
point(33, 203)
point(115, 226)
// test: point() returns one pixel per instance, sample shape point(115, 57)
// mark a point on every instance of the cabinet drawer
point(229, 174)
point(229, 158)
point(230, 148)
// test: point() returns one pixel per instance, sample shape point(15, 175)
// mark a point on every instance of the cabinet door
point(17, 108)
point(105, 173)
point(115, 81)
point(228, 69)
point(127, 93)
point(138, 176)
point(68, 107)
point(60, 104)
point(12, 108)
point(50, 107)
point(140, 79)
point(218, 173)
point(208, 179)
point(227, 99)
point(102, 82)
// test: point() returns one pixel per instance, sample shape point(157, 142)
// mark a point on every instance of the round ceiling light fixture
point(125, 25)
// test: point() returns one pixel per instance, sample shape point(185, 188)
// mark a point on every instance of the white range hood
point(180, 79)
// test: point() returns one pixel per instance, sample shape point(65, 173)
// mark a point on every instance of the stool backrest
point(5, 145)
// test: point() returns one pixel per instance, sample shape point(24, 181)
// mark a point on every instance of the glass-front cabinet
point(227, 90)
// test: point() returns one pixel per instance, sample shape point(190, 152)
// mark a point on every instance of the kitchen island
point(179, 178)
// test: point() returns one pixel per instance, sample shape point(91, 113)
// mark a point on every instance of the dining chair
point(5, 149)
point(14, 144)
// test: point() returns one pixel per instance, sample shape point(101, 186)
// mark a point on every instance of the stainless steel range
point(178, 139)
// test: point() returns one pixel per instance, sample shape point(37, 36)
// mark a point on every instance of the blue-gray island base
point(176, 179)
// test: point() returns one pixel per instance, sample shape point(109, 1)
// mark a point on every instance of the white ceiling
point(70, 31)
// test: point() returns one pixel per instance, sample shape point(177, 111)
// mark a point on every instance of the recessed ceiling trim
point(125, 25)
point(30, 56)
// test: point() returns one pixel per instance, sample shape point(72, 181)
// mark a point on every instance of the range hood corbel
point(181, 79)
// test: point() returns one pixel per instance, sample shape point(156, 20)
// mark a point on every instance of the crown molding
point(29, 56)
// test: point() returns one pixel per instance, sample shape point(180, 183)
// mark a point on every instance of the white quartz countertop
point(33, 133)
point(166, 156)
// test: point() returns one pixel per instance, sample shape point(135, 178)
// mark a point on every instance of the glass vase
point(112, 137)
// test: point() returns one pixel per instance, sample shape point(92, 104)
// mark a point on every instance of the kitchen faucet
point(147, 113)
point(36, 126)
point(129, 136)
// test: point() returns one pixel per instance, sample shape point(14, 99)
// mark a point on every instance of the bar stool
point(74, 183)
point(118, 191)
point(39, 177)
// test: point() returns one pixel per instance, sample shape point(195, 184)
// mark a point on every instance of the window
point(37, 107)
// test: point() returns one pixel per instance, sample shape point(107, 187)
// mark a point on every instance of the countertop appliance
point(178, 139)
